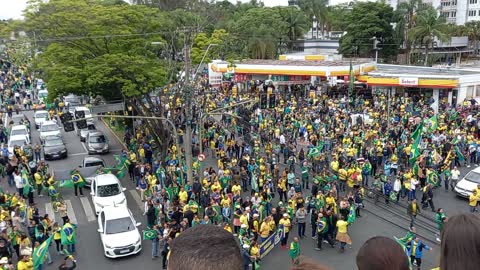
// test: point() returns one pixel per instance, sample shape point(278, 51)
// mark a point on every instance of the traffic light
point(79, 114)
point(272, 101)
point(68, 116)
point(82, 123)
point(68, 126)
point(263, 101)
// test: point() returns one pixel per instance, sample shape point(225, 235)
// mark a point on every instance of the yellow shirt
point(228, 229)
point(286, 224)
point(216, 187)
point(236, 189)
point(244, 220)
point(38, 178)
point(183, 196)
point(28, 265)
point(473, 199)
point(342, 226)
point(254, 251)
point(225, 202)
point(264, 230)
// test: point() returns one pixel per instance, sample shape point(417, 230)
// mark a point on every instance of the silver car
point(97, 143)
point(83, 133)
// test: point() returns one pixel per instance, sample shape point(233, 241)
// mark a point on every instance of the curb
point(114, 134)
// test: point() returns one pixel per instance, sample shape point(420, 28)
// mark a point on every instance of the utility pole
point(188, 109)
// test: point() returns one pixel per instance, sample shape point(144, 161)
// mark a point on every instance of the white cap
point(285, 215)
point(255, 215)
point(246, 246)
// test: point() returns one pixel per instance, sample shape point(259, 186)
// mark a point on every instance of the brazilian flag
point(67, 183)
point(68, 235)
point(77, 179)
point(149, 234)
point(40, 252)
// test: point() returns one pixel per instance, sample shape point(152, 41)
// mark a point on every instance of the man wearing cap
point(255, 226)
point(247, 259)
point(285, 221)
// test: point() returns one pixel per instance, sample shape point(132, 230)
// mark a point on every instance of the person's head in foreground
point(379, 253)
point(205, 247)
point(460, 248)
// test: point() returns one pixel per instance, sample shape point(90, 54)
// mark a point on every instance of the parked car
point(106, 190)
point(19, 119)
point(49, 128)
point(119, 232)
point(468, 183)
point(20, 130)
point(83, 133)
point(17, 140)
point(40, 117)
point(88, 114)
point(71, 101)
point(42, 95)
point(54, 148)
point(97, 143)
point(92, 162)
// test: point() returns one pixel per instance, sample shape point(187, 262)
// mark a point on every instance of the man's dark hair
point(205, 247)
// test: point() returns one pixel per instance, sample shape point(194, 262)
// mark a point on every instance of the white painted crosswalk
point(88, 209)
point(70, 212)
point(88, 214)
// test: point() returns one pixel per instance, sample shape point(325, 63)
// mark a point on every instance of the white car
point(119, 232)
point(468, 183)
point(40, 117)
point(88, 114)
point(20, 130)
point(17, 140)
point(106, 190)
point(49, 128)
point(42, 95)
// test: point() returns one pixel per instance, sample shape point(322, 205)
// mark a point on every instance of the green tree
point(365, 21)
point(316, 10)
point(259, 32)
point(472, 29)
point(297, 23)
point(428, 27)
point(406, 14)
point(217, 42)
point(92, 48)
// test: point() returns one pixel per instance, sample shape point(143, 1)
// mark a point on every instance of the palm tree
point(406, 12)
point(316, 10)
point(296, 23)
point(472, 29)
point(428, 26)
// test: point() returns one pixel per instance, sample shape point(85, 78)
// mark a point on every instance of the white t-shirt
point(455, 174)
point(18, 181)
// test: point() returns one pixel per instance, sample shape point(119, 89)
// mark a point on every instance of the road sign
point(111, 107)
point(201, 157)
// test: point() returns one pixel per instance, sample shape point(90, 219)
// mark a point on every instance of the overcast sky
point(13, 8)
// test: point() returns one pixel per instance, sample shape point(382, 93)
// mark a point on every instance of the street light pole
point(203, 58)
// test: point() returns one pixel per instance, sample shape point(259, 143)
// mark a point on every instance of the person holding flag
point(68, 236)
point(78, 182)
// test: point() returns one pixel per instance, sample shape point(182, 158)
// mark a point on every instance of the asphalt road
point(90, 252)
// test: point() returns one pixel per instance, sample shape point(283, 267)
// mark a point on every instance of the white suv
point(106, 190)
point(118, 232)
point(49, 128)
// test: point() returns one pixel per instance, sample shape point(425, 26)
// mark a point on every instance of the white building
point(456, 11)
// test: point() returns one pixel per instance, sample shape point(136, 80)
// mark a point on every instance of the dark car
point(97, 143)
point(54, 148)
point(83, 133)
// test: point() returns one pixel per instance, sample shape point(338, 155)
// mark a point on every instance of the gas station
point(447, 85)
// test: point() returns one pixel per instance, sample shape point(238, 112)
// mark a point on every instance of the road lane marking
point(84, 147)
point(78, 154)
point(70, 213)
point(88, 209)
point(49, 211)
point(137, 199)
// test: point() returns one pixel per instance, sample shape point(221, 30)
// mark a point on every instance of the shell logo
point(214, 67)
point(230, 69)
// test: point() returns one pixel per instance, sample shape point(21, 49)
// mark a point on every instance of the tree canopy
point(89, 47)
point(368, 20)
